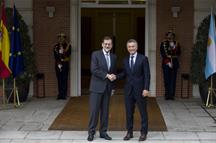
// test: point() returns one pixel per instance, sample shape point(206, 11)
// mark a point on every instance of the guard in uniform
point(170, 51)
point(62, 52)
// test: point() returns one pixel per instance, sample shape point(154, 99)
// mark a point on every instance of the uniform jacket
point(170, 54)
point(60, 58)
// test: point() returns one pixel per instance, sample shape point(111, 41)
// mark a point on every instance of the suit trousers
point(99, 102)
point(141, 101)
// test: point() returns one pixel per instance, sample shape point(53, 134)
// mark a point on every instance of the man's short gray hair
point(132, 41)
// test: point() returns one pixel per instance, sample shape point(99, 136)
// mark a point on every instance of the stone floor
point(186, 120)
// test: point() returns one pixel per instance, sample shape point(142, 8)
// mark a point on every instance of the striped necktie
point(107, 60)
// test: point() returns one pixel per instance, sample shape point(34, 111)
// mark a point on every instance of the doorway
point(120, 23)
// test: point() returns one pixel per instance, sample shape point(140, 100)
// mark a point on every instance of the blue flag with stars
point(16, 50)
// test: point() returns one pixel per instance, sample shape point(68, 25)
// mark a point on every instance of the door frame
point(75, 38)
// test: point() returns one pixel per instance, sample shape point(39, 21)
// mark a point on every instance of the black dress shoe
point(172, 98)
point(167, 98)
point(128, 136)
point(105, 136)
point(142, 137)
point(64, 98)
point(90, 137)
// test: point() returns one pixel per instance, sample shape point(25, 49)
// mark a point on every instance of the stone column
point(151, 42)
point(75, 68)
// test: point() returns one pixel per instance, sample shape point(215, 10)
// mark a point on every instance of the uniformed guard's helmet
point(61, 35)
point(170, 32)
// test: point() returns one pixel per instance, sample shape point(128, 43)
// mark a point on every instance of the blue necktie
point(131, 63)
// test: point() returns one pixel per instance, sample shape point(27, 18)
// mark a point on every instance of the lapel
point(112, 62)
point(128, 64)
point(102, 57)
point(136, 61)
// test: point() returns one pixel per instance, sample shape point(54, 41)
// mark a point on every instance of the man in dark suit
point(170, 51)
point(103, 66)
point(137, 73)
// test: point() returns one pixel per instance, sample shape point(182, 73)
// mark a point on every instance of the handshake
point(111, 77)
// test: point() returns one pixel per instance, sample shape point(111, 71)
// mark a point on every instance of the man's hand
point(111, 77)
point(145, 93)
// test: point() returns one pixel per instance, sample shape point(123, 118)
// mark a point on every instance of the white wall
point(202, 8)
point(25, 8)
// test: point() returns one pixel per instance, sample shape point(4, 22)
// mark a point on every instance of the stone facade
point(43, 31)
point(45, 36)
point(183, 27)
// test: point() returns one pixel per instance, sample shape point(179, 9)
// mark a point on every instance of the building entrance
point(120, 23)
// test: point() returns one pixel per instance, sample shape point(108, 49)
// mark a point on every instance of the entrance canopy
point(115, 1)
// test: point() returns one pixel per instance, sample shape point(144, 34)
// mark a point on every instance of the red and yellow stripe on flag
point(4, 46)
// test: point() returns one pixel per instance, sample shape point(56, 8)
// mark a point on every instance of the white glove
point(170, 64)
point(60, 66)
point(172, 45)
point(61, 51)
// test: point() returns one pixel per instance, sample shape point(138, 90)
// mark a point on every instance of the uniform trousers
point(169, 80)
point(62, 77)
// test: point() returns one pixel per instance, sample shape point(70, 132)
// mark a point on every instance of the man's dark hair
point(106, 38)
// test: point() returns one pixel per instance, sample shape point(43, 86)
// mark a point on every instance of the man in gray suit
point(103, 68)
point(136, 90)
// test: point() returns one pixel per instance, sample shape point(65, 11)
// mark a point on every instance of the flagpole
point(211, 93)
point(3, 94)
point(16, 95)
point(14, 91)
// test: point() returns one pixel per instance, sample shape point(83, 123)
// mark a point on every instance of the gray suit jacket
point(99, 70)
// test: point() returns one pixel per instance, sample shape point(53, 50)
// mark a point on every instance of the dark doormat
point(75, 115)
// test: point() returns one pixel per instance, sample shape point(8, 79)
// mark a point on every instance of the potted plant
point(23, 80)
point(198, 60)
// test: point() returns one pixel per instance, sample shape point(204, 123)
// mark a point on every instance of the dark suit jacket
point(139, 79)
point(99, 71)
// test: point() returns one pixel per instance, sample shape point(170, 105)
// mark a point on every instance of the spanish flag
point(4, 46)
